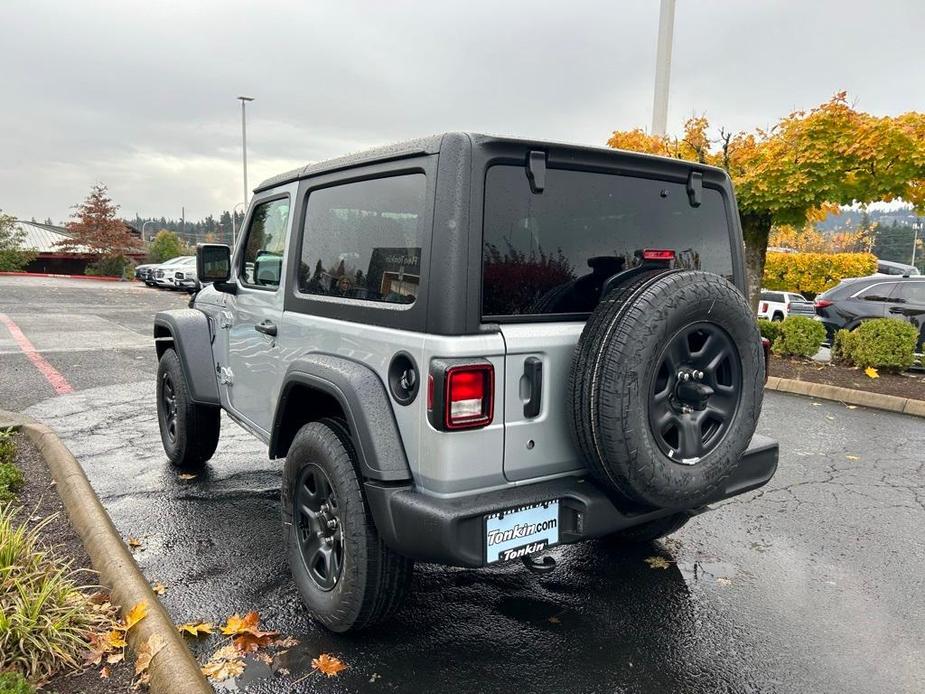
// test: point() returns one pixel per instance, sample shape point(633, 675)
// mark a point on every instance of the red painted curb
point(102, 278)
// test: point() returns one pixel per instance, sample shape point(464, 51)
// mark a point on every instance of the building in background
point(51, 258)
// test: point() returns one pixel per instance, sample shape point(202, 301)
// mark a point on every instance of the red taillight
point(469, 401)
point(764, 308)
point(658, 254)
point(823, 303)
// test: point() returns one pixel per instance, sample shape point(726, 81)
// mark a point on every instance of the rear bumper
point(452, 531)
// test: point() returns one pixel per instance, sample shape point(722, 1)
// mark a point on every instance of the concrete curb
point(173, 670)
point(850, 396)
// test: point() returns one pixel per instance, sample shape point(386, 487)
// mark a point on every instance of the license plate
point(520, 531)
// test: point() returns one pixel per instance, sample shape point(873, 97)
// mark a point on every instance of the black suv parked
point(863, 298)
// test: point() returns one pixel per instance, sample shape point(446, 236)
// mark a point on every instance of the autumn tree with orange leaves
point(808, 163)
point(95, 229)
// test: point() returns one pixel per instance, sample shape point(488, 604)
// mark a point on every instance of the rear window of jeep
point(550, 253)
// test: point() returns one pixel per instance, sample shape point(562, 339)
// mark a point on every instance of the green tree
point(13, 257)
point(166, 245)
point(810, 161)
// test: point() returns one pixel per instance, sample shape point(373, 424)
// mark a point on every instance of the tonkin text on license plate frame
point(520, 531)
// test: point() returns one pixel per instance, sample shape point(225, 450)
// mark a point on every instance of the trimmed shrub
point(813, 273)
point(109, 267)
point(768, 329)
point(842, 346)
point(884, 343)
point(799, 336)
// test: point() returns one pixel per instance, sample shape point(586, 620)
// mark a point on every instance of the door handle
point(533, 372)
point(266, 327)
point(896, 309)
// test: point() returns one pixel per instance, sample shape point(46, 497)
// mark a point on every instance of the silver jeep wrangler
point(469, 349)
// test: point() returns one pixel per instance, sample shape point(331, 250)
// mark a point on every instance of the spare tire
point(666, 387)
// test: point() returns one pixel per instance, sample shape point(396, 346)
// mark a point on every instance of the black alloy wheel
point(320, 528)
point(695, 393)
point(169, 407)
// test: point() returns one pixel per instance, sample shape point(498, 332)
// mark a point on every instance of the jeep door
point(908, 303)
point(252, 369)
point(547, 256)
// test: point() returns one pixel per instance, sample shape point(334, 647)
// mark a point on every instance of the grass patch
point(14, 683)
point(11, 479)
point(47, 619)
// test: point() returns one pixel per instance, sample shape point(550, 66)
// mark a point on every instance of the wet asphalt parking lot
point(811, 584)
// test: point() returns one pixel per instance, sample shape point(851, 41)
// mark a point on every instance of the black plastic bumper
point(452, 531)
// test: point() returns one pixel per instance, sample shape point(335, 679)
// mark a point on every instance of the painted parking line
point(51, 374)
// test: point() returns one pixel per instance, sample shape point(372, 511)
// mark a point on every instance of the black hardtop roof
point(431, 145)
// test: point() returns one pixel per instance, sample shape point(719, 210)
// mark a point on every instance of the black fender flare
point(188, 331)
point(363, 398)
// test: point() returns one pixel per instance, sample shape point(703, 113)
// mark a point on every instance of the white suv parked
point(779, 305)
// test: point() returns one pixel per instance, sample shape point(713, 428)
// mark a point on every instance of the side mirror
point(213, 263)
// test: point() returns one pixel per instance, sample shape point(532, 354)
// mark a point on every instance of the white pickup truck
point(778, 305)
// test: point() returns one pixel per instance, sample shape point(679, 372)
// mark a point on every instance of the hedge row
point(813, 273)
point(798, 336)
point(884, 343)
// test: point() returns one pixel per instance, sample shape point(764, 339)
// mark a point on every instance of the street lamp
point(150, 221)
point(233, 232)
point(244, 100)
point(915, 238)
point(662, 67)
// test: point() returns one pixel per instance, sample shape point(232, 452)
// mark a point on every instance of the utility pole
point(244, 100)
point(915, 238)
point(183, 223)
point(663, 67)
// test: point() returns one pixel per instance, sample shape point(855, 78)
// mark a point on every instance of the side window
point(878, 292)
point(363, 240)
point(911, 292)
point(262, 262)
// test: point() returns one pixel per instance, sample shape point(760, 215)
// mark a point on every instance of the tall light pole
point(150, 221)
point(915, 238)
point(244, 100)
point(662, 67)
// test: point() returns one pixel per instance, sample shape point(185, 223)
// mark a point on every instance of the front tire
point(348, 578)
point(189, 431)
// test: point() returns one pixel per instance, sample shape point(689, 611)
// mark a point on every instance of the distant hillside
point(852, 219)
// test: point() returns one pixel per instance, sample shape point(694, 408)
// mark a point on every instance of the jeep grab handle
point(266, 327)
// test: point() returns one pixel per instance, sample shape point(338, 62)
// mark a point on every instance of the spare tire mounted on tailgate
point(666, 387)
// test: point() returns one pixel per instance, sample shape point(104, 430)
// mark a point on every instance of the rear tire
point(349, 579)
point(666, 388)
point(189, 431)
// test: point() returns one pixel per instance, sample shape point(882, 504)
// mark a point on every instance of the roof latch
point(695, 188)
point(536, 171)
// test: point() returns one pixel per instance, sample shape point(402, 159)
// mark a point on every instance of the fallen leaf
point(871, 372)
point(158, 588)
point(196, 628)
point(224, 664)
point(328, 664)
point(852, 407)
point(723, 581)
point(146, 654)
point(99, 598)
point(135, 615)
point(249, 643)
point(236, 624)
point(852, 457)
point(830, 418)
point(817, 404)
point(133, 542)
point(104, 673)
point(186, 476)
point(115, 639)
point(222, 670)
point(657, 562)
point(554, 620)
point(116, 658)
point(287, 642)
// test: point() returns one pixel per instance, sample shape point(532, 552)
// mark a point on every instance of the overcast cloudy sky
point(141, 95)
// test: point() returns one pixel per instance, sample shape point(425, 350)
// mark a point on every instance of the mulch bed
point(904, 385)
point(39, 500)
